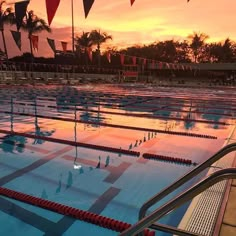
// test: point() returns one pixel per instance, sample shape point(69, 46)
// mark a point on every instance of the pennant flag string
point(17, 38)
point(20, 12)
point(51, 43)
point(131, 2)
point(64, 46)
point(35, 40)
point(87, 6)
point(51, 6)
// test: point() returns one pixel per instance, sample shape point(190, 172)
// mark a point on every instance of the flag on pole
point(87, 6)
point(17, 38)
point(35, 41)
point(20, 11)
point(51, 6)
point(51, 43)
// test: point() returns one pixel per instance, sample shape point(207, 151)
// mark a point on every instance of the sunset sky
point(145, 22)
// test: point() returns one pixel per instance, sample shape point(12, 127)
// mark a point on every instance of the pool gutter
point(205, 213)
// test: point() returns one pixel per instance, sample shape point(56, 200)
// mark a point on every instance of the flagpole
point(73, 32)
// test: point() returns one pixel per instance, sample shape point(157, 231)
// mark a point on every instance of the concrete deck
point(228, 227)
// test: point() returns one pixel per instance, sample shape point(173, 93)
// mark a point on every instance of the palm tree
point(82, 43)
point(99, 38)
point(33, 24)
point(6, 17)
point(228, 51)
point(196, 44)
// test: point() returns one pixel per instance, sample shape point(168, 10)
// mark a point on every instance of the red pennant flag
point(122, 59)
point(160, 65)
point(134, 60)
point(17, 38)
point(109, 57)
point(51, 6)
point(131, 2)
point(35, 42)
point(90, 53)
point(87, 6)
point(20, 11)
point(64, 46)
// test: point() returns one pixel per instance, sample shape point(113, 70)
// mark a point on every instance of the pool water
point(112, 184)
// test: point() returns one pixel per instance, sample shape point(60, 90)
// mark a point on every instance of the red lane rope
point(73, 143)
point(169, 159)
point(86, 216)
point(114, 126)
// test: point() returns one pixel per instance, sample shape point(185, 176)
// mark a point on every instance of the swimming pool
point(79, 146)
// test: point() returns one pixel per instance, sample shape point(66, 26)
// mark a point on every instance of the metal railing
point(181, 199)
point(221, 153)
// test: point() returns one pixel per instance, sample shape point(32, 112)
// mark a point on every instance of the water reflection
point(38, 130)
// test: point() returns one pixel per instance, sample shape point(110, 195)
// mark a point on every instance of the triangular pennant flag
point(51, 6)
point(90, 53)
point(109, 57)
point(51, 43)
point(17, 38)
point(20, 11)
point(131, 2)
point(87, 6)
point(35, 41)
point(64, 46)
point(134, 60)
point(122, 59)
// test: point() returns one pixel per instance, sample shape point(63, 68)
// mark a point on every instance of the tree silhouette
point(6, 17)
point(99, 38)
point(197, 41)
point(33, 24)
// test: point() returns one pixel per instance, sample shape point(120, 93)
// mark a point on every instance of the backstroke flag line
point(51, 43)
point(20, 11)
point(87, 6)
point(51, 6)
point(17, 38)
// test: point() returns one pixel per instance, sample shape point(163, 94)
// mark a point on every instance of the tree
point(99, 38)
point(228, 51)
point(197, 41)
point(33, 24)
point(6, 17)
point(83, 42)
point(183, 52)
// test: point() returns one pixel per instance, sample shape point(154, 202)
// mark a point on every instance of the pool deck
point(228, 226)
point(213, 212)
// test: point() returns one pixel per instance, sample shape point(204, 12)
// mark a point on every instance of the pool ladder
point(149, 221)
